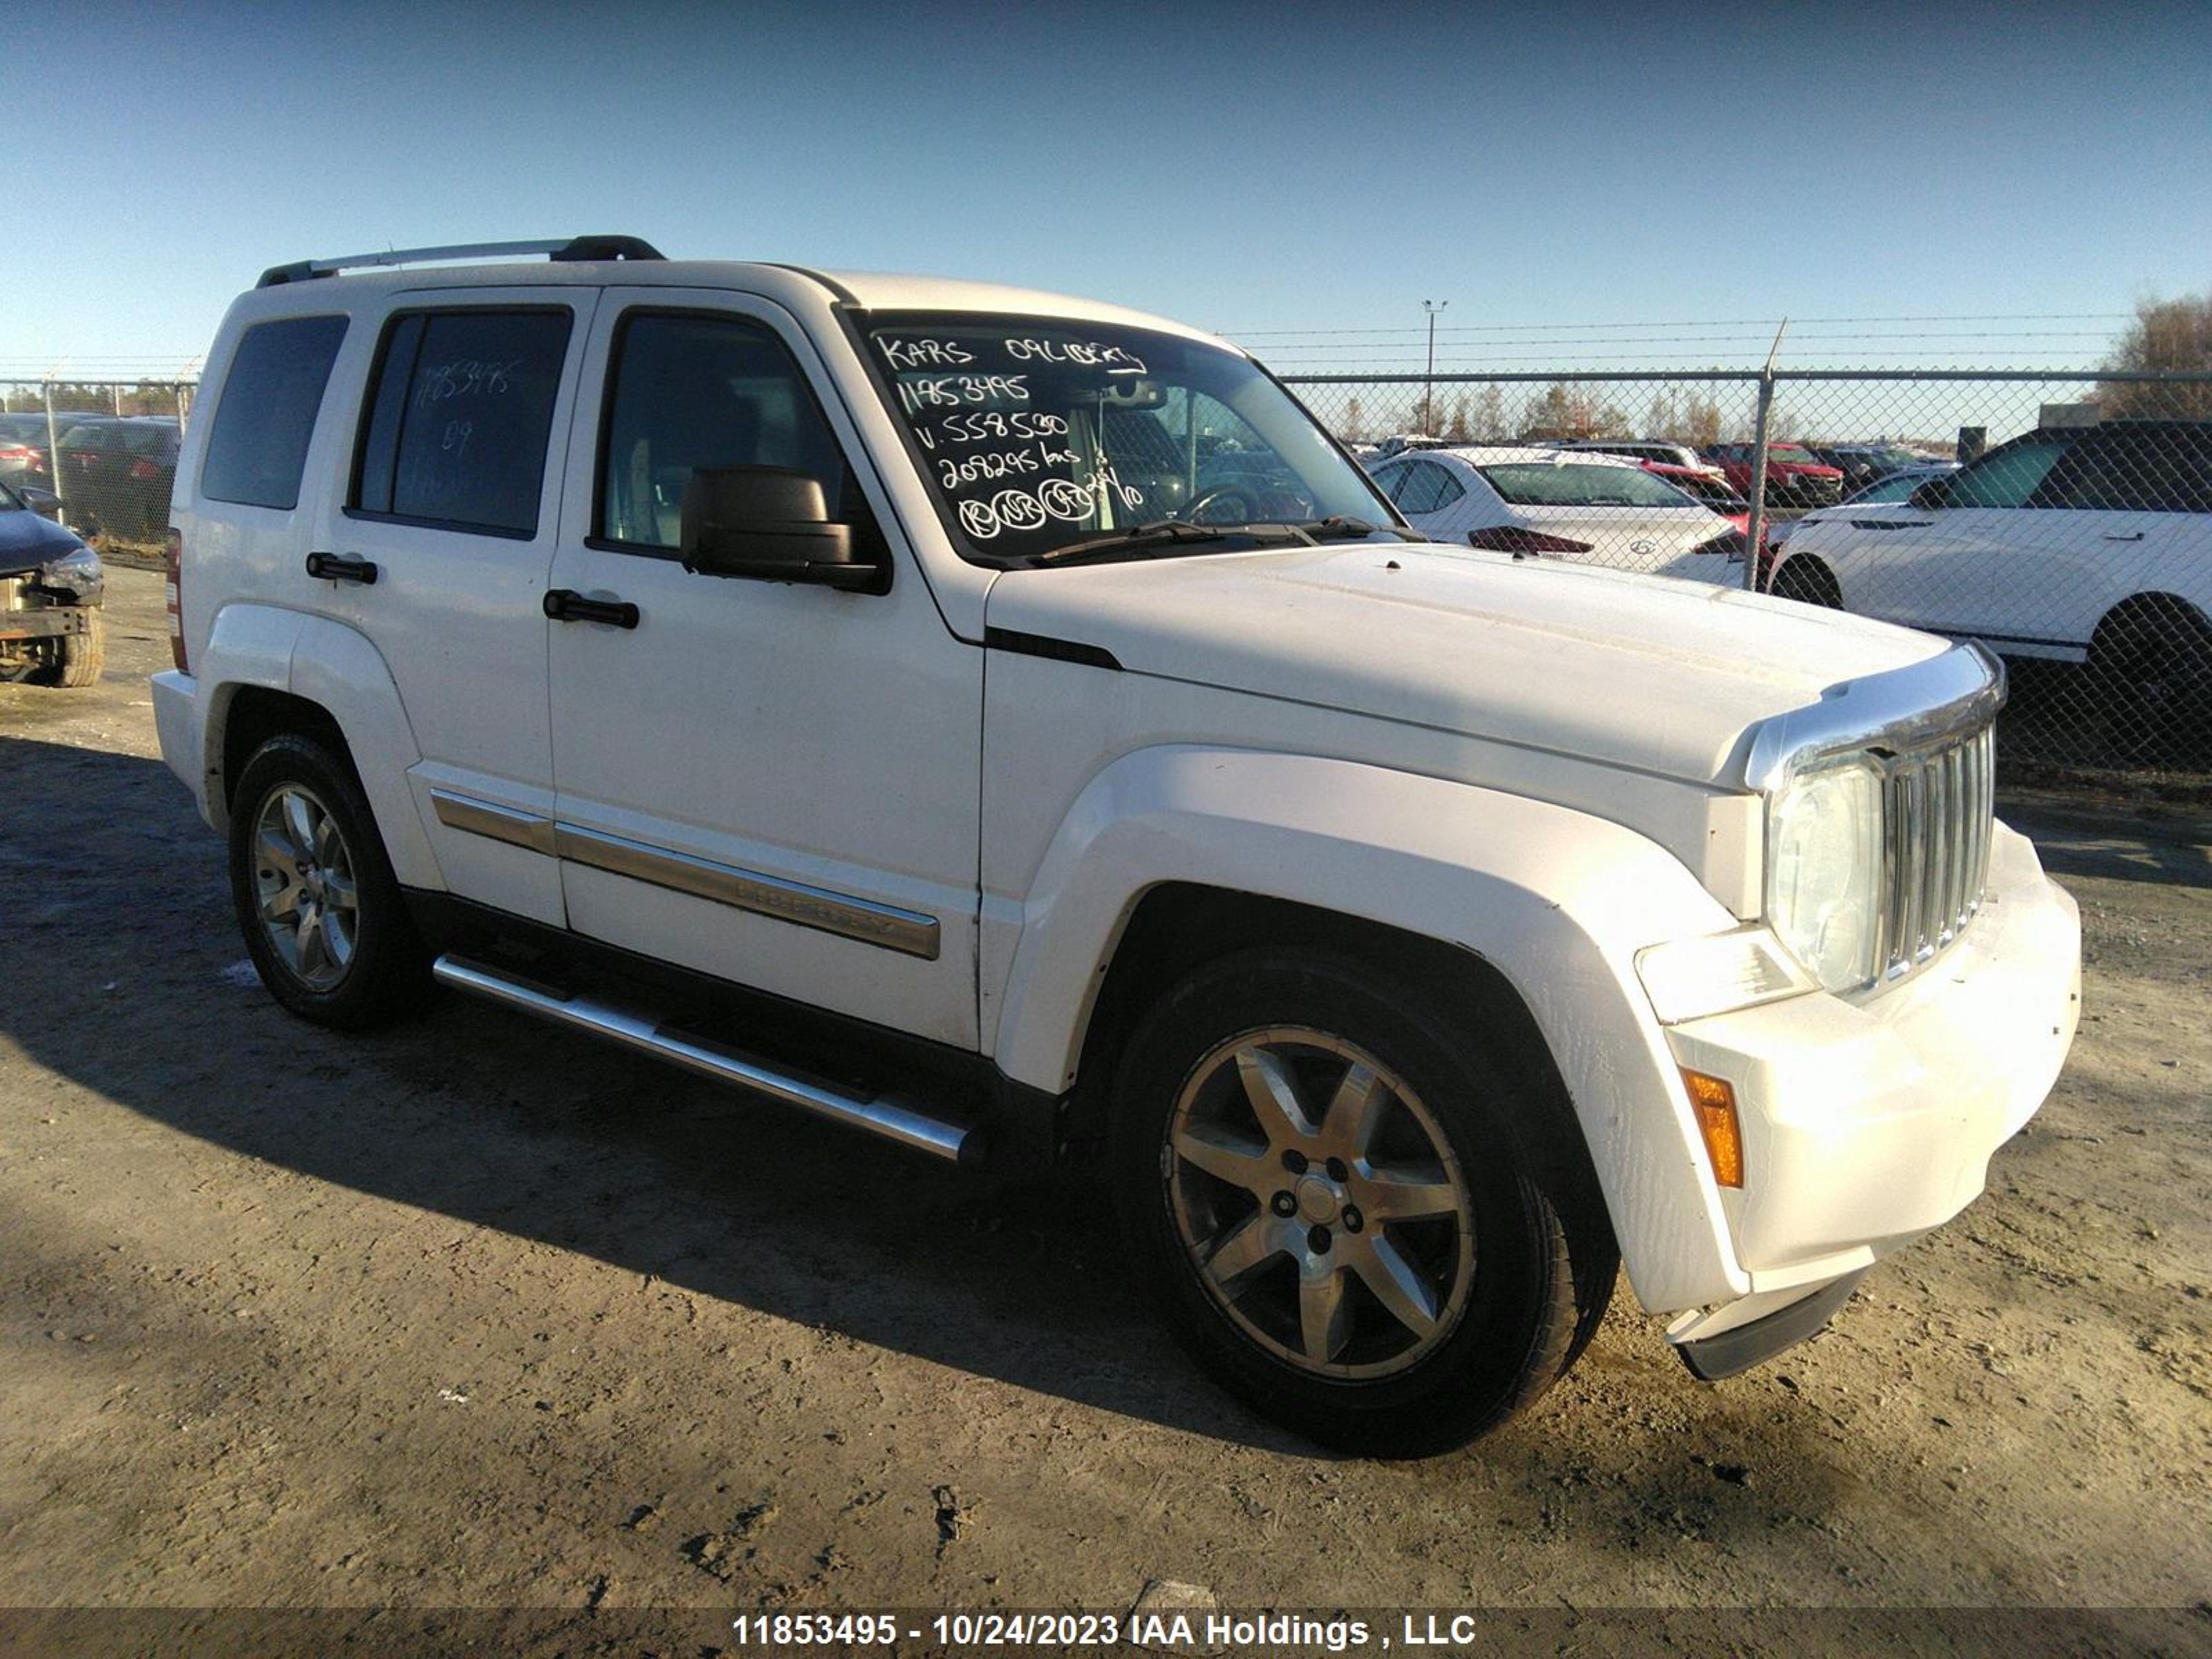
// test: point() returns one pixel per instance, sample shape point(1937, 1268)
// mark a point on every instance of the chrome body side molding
point(482, 818)
point(909, 932)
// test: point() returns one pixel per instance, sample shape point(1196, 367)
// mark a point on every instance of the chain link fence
point(2063, 520)
point(100, 454)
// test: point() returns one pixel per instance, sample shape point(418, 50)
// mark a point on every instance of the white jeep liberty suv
point(1010, 726)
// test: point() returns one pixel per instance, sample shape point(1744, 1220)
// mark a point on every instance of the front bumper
point(1866, 1123)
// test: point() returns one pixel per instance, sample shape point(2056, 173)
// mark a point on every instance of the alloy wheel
point(1319, 1203)
point(304, 886)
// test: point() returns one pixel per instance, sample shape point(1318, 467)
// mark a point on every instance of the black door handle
point(338, 569)
point(567, 605)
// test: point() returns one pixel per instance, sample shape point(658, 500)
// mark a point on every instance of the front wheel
point(1807, 582)
point(320, 908)
point(1350, 1212)
point(78, 658)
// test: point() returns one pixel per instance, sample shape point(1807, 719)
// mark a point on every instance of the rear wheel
point(321, 911)
point(1346, 1206)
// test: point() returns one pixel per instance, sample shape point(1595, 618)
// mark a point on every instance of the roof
point(301, 287)
point(1506, 454)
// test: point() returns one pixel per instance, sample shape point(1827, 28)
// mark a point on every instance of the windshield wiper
point(1164, 534)
point(1339, 527)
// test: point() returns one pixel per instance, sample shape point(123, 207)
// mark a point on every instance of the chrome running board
point(889, 1116)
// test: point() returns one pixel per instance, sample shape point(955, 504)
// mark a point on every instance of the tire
point(78, 658)
point(1807, 582)
point(2150, 671)
point(321, 912)
point(1489, 1284)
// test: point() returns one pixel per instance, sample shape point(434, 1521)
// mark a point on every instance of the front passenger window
point(688, 391)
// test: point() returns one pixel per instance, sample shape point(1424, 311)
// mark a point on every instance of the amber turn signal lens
point(1715, 1103)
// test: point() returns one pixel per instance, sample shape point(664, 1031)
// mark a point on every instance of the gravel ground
point(471, 1314)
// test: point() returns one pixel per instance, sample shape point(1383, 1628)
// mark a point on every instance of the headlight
point(1824, 833)
point(81, 566)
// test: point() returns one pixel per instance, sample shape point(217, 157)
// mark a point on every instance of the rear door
point(454, 496)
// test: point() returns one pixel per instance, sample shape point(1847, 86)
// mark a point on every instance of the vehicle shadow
point(116, 892)
point(2114, 845)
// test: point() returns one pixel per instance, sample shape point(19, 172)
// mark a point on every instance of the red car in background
point(1712, 492)
point(1796, 477)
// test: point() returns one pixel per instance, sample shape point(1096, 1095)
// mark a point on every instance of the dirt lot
point(471, 1314)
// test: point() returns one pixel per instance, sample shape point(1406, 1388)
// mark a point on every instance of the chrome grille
point(1936, 804)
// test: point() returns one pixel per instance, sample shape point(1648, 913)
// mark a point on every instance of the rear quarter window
point(264, 418)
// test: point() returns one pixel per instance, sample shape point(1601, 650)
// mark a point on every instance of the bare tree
point(1700, 422)
point(1487, 421)
point(2168, 336)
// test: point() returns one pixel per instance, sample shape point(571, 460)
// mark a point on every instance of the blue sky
point(1246, 168)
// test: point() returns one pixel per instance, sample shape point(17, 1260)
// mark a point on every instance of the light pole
point(1429, 390)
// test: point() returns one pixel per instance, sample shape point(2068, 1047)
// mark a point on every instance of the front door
point(776, 784)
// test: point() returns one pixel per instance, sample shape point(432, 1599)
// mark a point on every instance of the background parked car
point(1895, 490)
point(2079, 545)
point(23, 445)
point(1562, 503)
point(117, 473)
point(1795, 476)
point(1659, 452)
point(1864, 463)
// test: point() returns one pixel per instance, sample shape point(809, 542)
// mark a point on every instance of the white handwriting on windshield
point(923, 354)
point(952, 391)
point(1064, 499)
point(1116, 359)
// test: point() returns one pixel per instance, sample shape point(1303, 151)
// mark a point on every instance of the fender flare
point(338, 669)
point(1555, 900)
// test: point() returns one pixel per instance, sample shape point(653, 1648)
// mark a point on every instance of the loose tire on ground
point(321, 912)
point(1264, 1232)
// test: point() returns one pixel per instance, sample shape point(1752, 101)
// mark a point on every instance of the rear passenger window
point(259, 444)
point(688, 391)
point(1429, 489)
point(458, 415)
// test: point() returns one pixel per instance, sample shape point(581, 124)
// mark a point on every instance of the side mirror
point(771, 524)
point(44, 502)
point(1935, 493)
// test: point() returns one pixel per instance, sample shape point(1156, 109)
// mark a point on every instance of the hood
point(28, 541)
point(1638, 672)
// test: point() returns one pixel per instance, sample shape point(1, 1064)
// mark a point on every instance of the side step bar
point(890, 1116)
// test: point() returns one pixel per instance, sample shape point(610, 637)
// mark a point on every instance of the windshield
point(1579, 484)
point(1036, 433)
point(1795, 454)
point(1898, 487)
point(10, 501)
point(1713, 492)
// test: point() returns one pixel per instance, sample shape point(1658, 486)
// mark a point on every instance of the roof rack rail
point(574, 249)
